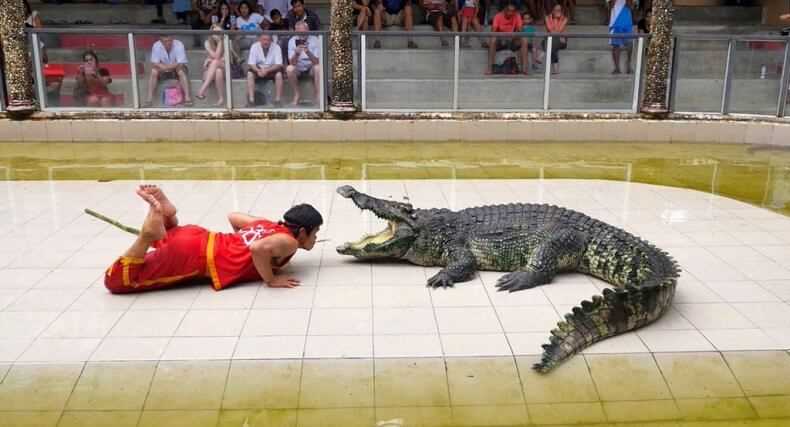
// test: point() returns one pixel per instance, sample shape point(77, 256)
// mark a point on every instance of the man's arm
point(311, 55)
point(240, 220)
point(264, 251)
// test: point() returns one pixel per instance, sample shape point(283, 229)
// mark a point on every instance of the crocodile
point(533, 243)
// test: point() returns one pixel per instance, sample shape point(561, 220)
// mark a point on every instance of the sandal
point(188, 103)
point(200, 97)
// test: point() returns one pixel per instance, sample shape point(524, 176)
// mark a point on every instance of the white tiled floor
point(732, 295)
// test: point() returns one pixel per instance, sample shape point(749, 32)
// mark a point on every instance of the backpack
point(509, 66)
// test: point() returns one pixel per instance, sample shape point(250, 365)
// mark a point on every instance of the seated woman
point(214, 67)
point(91, 88)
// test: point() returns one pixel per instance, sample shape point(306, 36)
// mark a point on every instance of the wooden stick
point(111, 221)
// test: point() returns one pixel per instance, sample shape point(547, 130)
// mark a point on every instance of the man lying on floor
point(256, 250)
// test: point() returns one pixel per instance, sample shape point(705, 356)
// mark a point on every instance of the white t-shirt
point(304, 63)
point(252, 23)
point(177, 54)
point(470, 3)
point(260, 59)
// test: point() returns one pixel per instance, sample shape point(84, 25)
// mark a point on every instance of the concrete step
point(567, 92)
point(138, 14)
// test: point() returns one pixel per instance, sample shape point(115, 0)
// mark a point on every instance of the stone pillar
point(659, 55)
point(342, 56)
point(16, 62)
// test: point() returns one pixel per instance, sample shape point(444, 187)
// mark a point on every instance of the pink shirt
point(503, 24)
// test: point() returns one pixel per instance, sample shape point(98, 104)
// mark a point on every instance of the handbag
point(172, 96)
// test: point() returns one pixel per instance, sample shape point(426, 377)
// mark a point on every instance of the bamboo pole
point(111, 221)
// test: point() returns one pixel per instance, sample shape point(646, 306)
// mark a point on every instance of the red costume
point(189, 252)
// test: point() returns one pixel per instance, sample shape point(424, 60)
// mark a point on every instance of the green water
point(756, 175)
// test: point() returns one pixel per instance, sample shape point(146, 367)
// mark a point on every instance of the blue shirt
point(393, 7)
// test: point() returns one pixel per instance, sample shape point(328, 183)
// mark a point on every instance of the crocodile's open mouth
point(379, 238)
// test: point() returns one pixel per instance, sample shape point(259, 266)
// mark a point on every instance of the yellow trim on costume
point(126, 262)
point(212, 267)
point(165, 280)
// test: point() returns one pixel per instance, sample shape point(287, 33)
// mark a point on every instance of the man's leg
point(293, 79)
point(616, 59)
point(628, 46)
point(250, 88)
point(183, 78)
point(315, 72)
point(152, 82)
point(524, 54)
point(156, 197)
point(278, 86)
point(492, 42)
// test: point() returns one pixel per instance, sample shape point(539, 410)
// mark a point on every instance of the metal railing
point(450, 74)
point(137, 58)
point(749, 71)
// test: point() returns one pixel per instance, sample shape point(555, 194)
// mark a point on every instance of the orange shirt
point(503, 24)
point(229, 257)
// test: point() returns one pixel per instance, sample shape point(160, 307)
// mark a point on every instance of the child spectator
point(620, 22)
point(276, 22)
point(247, 21)
point(468, 15)
point(556, 23)
point(532, 47)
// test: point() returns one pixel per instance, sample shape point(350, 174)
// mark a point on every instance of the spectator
point(469, 17)
point(299, 13)
point(387, 13)
point(276, 22)
point(169, 61)
point(556, 23)
point(532, 47)
point(507, 21)
point(181, 9)
point(214, 66)
point(569, 7)
point(265, 63)
point(247, 21)
point(438, 13)
point(91, 83)
point(204, 10)
point(224, 16)
point(646, 23)
point(621, 21)
point(537, 9)
point(363, 14)
point(281, 5)
point(304, 57)
point(32, 19)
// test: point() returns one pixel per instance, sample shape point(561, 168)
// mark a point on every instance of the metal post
point(363, 67)
point(783, 84)
point(673, 76)
point(638, 74)
point(324, 72)
point(228, 77)
point(456, 66)
point(133, 69)
point(725, 91)
point(42, 93)
point(547, 78)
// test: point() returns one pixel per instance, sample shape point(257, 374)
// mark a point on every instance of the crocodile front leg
point(461, 266)
point(561, 248)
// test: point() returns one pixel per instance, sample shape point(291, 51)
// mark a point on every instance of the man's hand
point(261, 72)
point(284, 282)
point(785, 17)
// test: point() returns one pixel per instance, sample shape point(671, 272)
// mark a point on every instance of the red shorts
point(179, 257)
point(468, 13)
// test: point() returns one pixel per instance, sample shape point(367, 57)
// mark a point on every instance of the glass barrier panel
point(584, 75)
point(756, 77)
point(408, 73)
point(176, 69)
point(86, 70)
point(500, 73)
point(296, 86)
point(700, 75)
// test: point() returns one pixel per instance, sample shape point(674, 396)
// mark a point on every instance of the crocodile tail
point(618, 310)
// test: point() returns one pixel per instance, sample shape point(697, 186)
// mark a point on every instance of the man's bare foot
point(157, 199)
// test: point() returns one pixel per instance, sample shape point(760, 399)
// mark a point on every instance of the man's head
point(527, 18)
point(304, 221)
point(167, 42)
point(266, 40)
point(298, 7)
point(510, 9)
point(301, 27)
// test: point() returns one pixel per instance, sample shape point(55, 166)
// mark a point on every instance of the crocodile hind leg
point(560, 248)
